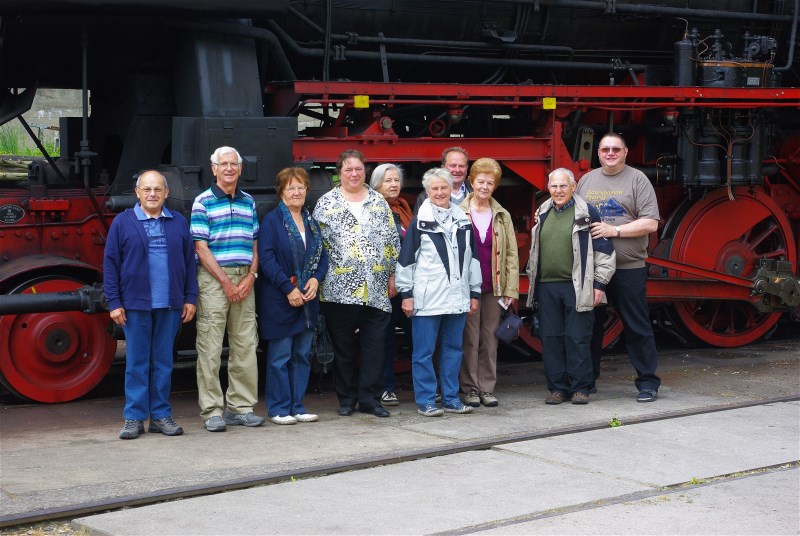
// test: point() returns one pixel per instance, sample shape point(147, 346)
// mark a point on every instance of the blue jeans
point(449, 329)
point(288, 369)
point(149, 336)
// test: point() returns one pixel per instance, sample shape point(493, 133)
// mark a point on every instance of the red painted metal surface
point(531, 95)
point(61, 223)
point(54, 357)
point(729, 237)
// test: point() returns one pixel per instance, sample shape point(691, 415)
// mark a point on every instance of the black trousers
point(362, 384)
point(565, 336)
point(627, 293)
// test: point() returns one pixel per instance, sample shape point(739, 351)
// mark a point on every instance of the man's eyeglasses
point(558, 186)
point(614, 150)
point(232, 165)
point(299, 189)
point(148, 191)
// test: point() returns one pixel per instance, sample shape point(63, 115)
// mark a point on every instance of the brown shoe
point(580, 398)
point(556, 397)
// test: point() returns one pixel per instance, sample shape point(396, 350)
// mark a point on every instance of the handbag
point(509, 326)
point(322, 347)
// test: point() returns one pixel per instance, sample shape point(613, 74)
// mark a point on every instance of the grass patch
point(14, 142)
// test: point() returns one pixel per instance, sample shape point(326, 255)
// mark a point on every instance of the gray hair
point(436, 173)
point(562, 171)
point(225, 150)
point(376, 180)
point(145, 172)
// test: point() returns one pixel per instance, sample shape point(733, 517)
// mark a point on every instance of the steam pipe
point(326, 63)
point(458, 60)
point(83, 158)
point(792, 43)
point(434, 42)
point(647, 9)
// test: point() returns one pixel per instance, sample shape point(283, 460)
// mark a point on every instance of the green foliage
point(13, 142)
point(614, 422)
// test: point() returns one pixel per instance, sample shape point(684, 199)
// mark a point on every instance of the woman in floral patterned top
point(362, 244)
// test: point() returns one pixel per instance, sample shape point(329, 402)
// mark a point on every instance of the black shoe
point(377, 410)
point(647, 395)
point(345, 411)
point(592, 390)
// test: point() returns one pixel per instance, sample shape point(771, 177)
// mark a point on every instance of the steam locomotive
point(707, 98)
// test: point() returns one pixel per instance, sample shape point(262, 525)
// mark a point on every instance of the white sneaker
point(305, 417)
point(283, 419)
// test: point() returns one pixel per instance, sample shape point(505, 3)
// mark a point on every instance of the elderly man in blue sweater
point(150, 282)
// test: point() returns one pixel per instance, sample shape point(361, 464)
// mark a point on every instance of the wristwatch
point(255, 274)
point(618, 230)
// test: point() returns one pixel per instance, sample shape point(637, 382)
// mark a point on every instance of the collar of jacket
point(582, 218)
point(497, 208)
point(372, 195)
point(426, 221)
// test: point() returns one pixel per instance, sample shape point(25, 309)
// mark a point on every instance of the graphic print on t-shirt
point(610, 210)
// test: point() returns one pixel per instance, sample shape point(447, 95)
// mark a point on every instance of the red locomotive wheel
point(729, 237)
point(54, 357)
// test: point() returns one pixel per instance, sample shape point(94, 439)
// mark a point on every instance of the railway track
point(80, 508)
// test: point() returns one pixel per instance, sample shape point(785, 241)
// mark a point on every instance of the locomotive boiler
point(707, 98)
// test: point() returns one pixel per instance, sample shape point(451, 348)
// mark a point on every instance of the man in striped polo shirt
point(224, 228)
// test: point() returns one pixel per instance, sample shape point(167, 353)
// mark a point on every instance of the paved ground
point(59, 455)
point(631, 479)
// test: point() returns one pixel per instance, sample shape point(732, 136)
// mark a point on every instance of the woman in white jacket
point(439, 277)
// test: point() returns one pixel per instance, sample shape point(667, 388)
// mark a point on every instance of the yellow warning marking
point(361, 101)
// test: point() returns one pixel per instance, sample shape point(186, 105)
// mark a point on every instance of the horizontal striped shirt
point(228, 223)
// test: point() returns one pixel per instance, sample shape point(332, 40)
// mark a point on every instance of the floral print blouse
point(361, 256)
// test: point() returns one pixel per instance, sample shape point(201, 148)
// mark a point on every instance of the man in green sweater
point(568, 271)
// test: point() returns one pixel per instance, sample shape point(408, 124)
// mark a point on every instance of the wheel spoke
point(715, 234)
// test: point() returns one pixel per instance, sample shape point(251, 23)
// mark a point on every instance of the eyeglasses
point(299, 189)
point(614, 150)
point(558, 186)
point(148, 191)
point(232, 165)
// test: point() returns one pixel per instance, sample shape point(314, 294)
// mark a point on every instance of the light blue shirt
point(156, 256)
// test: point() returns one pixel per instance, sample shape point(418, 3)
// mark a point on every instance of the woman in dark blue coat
point(293, 261)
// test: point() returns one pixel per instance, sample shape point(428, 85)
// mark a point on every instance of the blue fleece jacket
point(126, 278)
point(276, 317)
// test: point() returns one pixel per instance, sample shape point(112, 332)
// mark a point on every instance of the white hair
point(436, 173)
point(223, 151)
point(376, 179)
point(562, 171)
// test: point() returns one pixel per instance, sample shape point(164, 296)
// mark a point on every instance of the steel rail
point(186, 492)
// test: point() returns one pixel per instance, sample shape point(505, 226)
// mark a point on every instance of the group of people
point(367, 262)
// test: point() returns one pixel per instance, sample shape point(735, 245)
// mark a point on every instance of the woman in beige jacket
point(499, 259)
